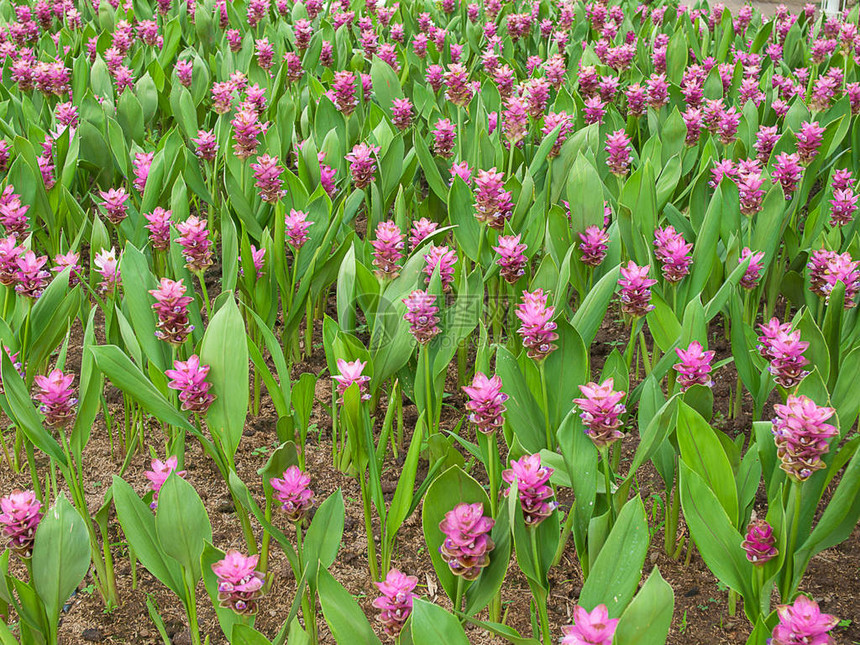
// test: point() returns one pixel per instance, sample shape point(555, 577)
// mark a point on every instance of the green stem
point(645, 359)
point(540, 602)
point(34, 474)
point(631, 346)
point(191, 607)
point(205, 294)
point(607, 478)
point(428, 391)
point(672, 517)
point(458, 595)
point(550, 443)
point(788, 572)
point(368, 529)
point(511, 161)
point(566, 529)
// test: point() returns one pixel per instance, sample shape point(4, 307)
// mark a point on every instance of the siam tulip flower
point(594, 628)
point(803, 624)
point(343, 91)
point(751, 192)
point(727, 128)
point(724, 168)
point(537, 329)
point(601, 408)
point(819, 267)
point(107, 266)
point(788, 171)
point(206, 145)
point(265, 53)
point(515, 121)
point(13, 214)
point(766, 139)
point(537, 95)
point(296, 226)
point(234, 40)
point(171, 308)
point(842, 180)
point(67, 115)
point(159, 228)
point(246, 131)
point(636, 97)
point(240, 586)
point(462, 171)
point(142, 163)
point(658, 91)
point(695, 366)
point(512, 259)
point(808, 141)
point(841, 268)
point(20, 514)
point(760, 543)
point(551, 122)
point(362, 165)
point(69, 261)
point(467, 540)
point(504, 78)
point(268, 173)
point(443, 138)
point(4, 155)
point(366, 86)
point(785, 350)
point(258, 259)
point(493, 205)
point(554, 70)
point(56, 398)
point(195, 243)
point(189, 378)
point(421, 315)
point(115, 204)
point(388, 249)
point(327, 174)
point(293, 491)
point(443, 258)
point(532, 484)
point(594, 110)
point(486, 403)
point(595, 241)
point(395, 601)
point(458, 90)
point(420, 231)
point(351, 372)
point(673, 251)
point(618, 148)
point(801, 436)
point(158, 475)
point(184, 70)
point(30, 277)
point(635, 290)
point(401, 111)
point(752, 275)
point(853, 92)
point(842, 207)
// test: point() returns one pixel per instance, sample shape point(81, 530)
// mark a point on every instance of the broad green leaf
point(649, 616)
point(347, 621)
point(432, 625)
point(182, 524)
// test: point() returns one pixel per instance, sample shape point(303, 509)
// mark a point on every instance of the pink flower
point(189, 378)
point(257, 259)
point(458, 89)
point(420, 231)
point(537, 329)
point(785, 350)
point(808, 141)
point(760, 543)
point(206, 145)
point(107, 266)
point(674, 252)
point(635, 290)
point(752, 275)
point(532, 483)
point(20, 514)
point(184, 70)
point(30, 277)
point(195, 243)
point(142, 163)
point(158, 475)
point(171, 307)
point(515, 121)
point(695, 366)
point(239, 584)
point(788, 171)
point(618, 147)
point(351, 373)
point(467, 541)
point(594, 628)
point(493, 204)
point(751, 192)
point(842, 207)
point(486, 403)
point(444, 134)
point(362, 164)
point(551, 122)
point(56, 398)
point(401, 113)
point(268, 173)
point(766, 139)
point(387, 249)
point(462, 171)
point(803, 624)
point(421, 315)
point(115, 204)
point(159, 228)
point(246, 130)
point(443, 258)
point(595, 241)
point(801, 436)
point(293, 491)
point(395, 601)
point(13, 214)
point(593, 110)
point(296, 226)
point(69, 261)
point(343, 91)
point(601, 408)
point(512, 259)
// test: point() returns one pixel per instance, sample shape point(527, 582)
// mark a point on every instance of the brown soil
point(701, 612)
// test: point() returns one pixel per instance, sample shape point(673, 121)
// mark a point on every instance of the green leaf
point(137, 281)
point(432, 625)
point(324, 535)
point(451, 488)
point(242, 634)
point(523, 413)
point(649, 616)
point(566, 369)
point(138, 524)
point(580, 457)
point(61, 558)
point(590, 315)
point(386, 85)
point(345, 618)
point(225, 350)
point(182, 524)
point(615, 574)
point(585, 195)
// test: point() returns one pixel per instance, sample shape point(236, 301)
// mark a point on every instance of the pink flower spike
point(512, 259)
point(695, 366)
point(601, 408)
point(395, 602)
point(115, 204)
point(362, 164)
point(387, 249)
point(171, 308)
point(532, 483)
point(351, 373)
point(467, 540)
point(239, 584)
point(107, 266)
point(420, 231)
point(590, 628)
point(443, 258)
point(20, 514)
point(159, 228)
point(595, 241)
point(421, 316)
point(267, 174)
point(760, 543)
point(158, 475)
point(537, 329)
point(486, 403)
point(189, 378)
point(30, 277)
point(804, 623)
point(195, 243)
point(802, 436)
point(752, 275)
point(56, 398)
point(293, 491)
point(635, 290)
point(296, 226)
